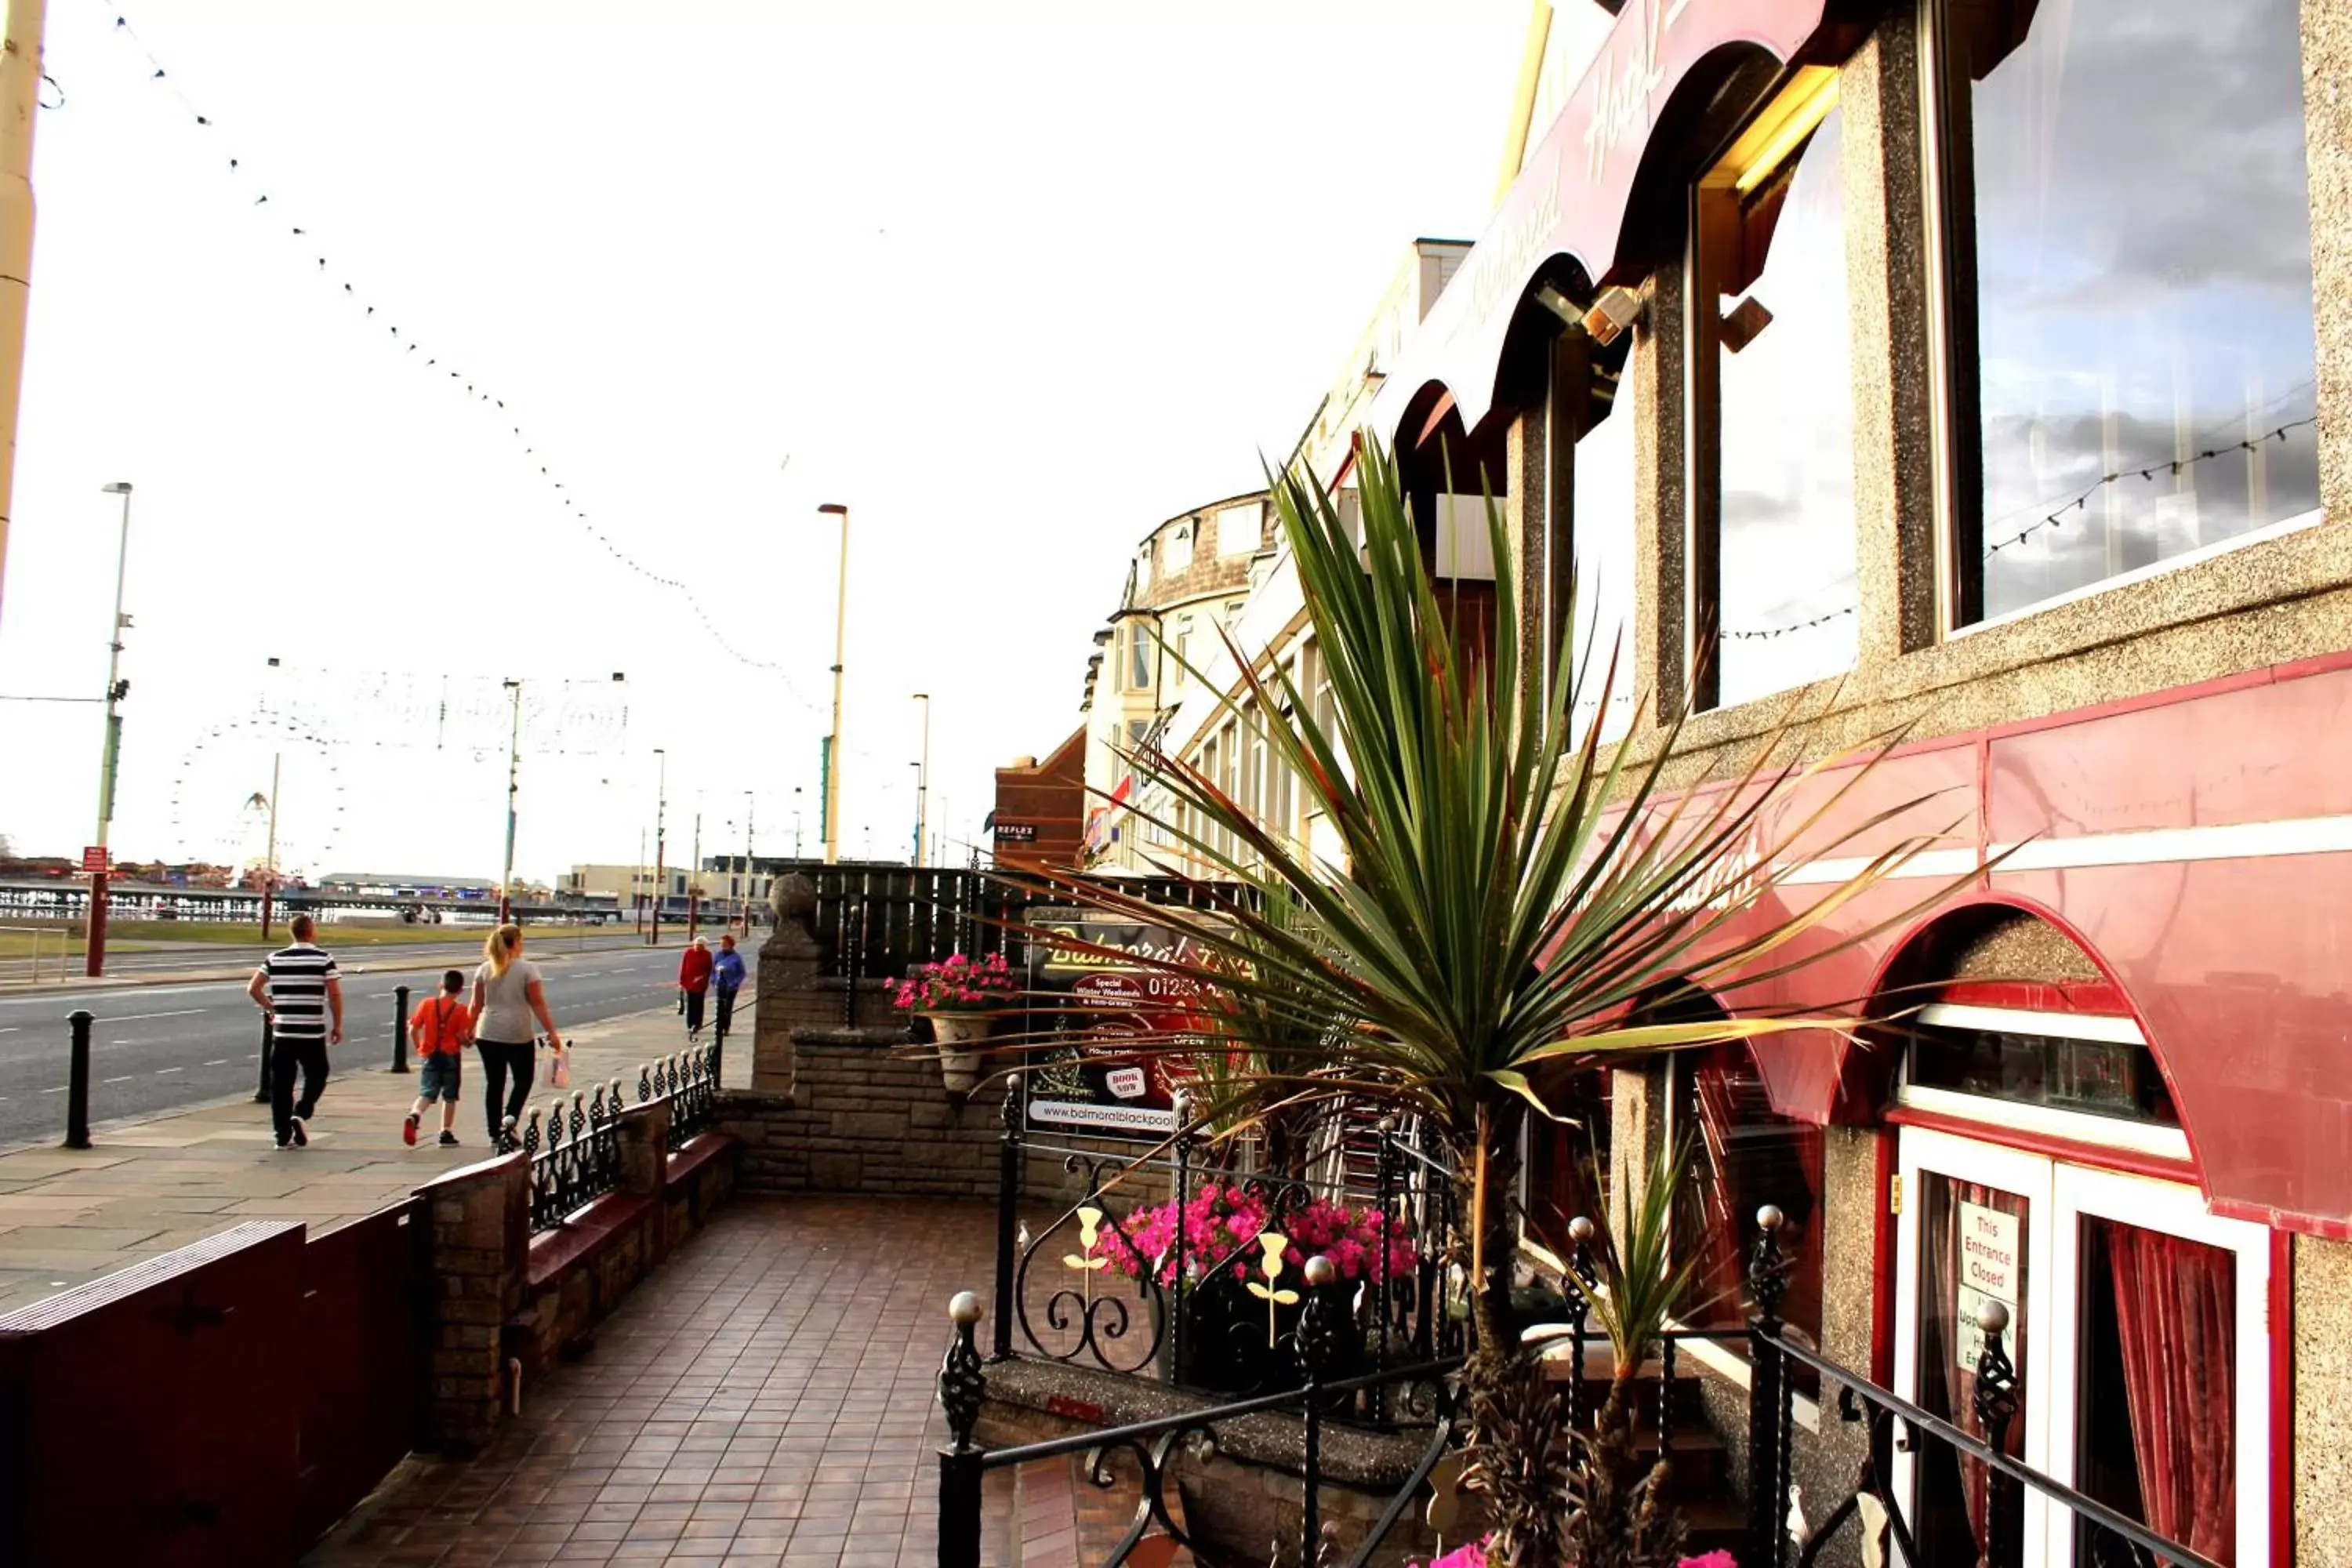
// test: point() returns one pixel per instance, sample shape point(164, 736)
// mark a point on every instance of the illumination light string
point(474, 391)
point(2056, 518)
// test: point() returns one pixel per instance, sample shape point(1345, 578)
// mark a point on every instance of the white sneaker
point(301, 1136)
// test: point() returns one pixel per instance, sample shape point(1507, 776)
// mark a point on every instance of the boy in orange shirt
point(440, 1028)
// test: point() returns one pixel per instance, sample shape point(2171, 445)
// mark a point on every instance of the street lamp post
point(661, 808)
point(514, 762)
point(750, 857)
point(693, 882)
point(269, 856)
point(832, 803)
point(111, 752)
point(923, 778)
point(916, 859)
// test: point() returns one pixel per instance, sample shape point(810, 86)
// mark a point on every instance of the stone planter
point(957, 1035)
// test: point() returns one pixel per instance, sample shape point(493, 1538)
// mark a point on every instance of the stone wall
point(505, 1301)
point(861, 1119)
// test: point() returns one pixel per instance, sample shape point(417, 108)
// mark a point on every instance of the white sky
point(1014, 281)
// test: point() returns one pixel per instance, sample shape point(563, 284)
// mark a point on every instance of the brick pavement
point(766, 1397)
point(68, 1216)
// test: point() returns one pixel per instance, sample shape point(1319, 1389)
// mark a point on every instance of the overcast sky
point(1014, 282)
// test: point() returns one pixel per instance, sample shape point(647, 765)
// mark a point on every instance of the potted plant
point(1499, 890)
point(961, 998)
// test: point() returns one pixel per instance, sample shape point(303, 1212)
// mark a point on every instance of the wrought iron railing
point(1316, 1347)
point(689, 1080)
point(1110, 1283)
point(1157, 1445)
point(575, 1156)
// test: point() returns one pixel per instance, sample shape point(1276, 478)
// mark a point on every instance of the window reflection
point(1602, 534)
point(1776, 274)
point(2128, 211)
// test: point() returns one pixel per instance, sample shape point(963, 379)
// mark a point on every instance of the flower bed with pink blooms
point(1236, 1335)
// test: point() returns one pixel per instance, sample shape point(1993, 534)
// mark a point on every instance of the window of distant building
point(1240, 528)
point(1772, 414)
point(2127, 267)
point(1176, 549)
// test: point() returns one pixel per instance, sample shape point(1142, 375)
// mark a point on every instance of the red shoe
point(408, 1131)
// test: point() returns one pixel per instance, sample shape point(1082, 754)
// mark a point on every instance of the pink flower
point(1472, 1554)
point(1717, 1559)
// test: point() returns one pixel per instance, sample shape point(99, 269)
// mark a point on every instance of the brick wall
point(861, 1119)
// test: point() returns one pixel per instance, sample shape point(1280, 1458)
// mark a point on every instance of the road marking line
point(221, 1062)
point(124, 1078)
point(10, 1029)
point(142, 1017)
point(59, 1090)
point(161, 1072)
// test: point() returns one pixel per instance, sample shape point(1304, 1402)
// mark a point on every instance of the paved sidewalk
point(765, 1396)
point(68, 1216)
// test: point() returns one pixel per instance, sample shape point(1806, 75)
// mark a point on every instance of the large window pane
point(1785, 422)
point(1744, 1155)
point(2130, 222)
point(1601, 535)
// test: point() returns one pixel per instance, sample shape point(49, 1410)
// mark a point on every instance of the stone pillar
point(788, 978)
point(1653, 395)
point(1898, 566)
point(644, 1149)
point(480, 1218)
point(1526, 517)
point(2328, 153)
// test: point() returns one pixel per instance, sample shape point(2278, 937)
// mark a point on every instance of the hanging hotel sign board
point(1991, 1258)
point(1101, 1009)
point(1573, 190)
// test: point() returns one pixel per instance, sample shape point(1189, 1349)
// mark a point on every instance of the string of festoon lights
point(2056, 516)
point(405, 342)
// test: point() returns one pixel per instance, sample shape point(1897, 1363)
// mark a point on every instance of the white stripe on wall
point(2152, 846)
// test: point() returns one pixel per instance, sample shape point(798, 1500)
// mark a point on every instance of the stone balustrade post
point(479, 1220)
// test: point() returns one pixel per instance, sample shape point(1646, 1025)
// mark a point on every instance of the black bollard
point(400, 1029)
point(77, 1082)
point(261, 1087)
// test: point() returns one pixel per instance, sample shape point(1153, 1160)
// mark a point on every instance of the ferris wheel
point(222, 789)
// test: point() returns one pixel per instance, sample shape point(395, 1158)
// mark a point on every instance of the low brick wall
point(504, 1298)
point(861, 1119)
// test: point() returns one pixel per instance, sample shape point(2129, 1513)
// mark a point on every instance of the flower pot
point(955, 1033)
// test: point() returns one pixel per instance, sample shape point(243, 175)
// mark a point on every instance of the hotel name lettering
point(1625, 78)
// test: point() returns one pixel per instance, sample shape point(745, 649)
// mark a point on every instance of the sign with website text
point(1110, 1072)
point(94, 859)
point(1991, 1263)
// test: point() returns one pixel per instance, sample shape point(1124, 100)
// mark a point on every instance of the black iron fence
point(1156, 1446)
point(1169, 1265)
point(1317, 1348)
point(575, 1157)
point(690, 1082)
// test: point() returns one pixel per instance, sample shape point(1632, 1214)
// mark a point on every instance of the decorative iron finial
point(644, 1083)
point(1319, 1322)
point(1768, 1267)
point(1010, 1112)
point(963, 1386)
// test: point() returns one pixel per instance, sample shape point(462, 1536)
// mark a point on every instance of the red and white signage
point(94, 859)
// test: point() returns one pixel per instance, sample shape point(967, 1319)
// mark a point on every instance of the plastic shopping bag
point(559, 1072)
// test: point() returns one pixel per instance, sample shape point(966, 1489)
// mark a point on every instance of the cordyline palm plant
point(1508, 893)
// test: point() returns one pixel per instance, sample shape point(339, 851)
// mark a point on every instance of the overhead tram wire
point(274, 211)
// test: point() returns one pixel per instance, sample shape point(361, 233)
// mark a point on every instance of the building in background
point(1040, 812)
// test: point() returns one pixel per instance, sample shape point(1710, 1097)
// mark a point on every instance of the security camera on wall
point(1616, 310)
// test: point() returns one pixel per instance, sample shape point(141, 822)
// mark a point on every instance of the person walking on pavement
point(507, 998)
point(694, 980)
point(727, 978)
point(440, 1028)
point(298, 989)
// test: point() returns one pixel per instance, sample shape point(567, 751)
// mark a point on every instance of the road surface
point(157, 1047)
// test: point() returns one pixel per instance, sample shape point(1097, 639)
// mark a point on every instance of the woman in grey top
point(507, 1002)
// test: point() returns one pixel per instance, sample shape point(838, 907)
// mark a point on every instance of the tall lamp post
point(661, 808)
point(917, 857)
point(923, 779)
point(750, 857)
point(111, 752)
point(832, 781)
point(514, 764)
point(796, 822)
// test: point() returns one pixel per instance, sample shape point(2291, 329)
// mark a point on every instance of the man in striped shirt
point(304, 1001)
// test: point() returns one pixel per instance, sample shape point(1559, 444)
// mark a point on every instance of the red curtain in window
point(2177, 1318)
